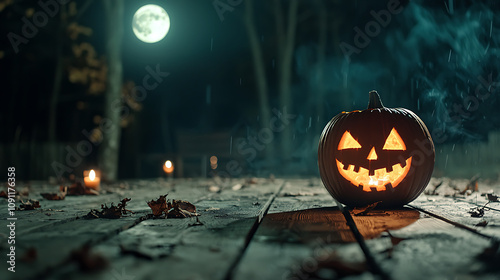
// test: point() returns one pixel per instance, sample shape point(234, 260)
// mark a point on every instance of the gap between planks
point(262, 213)
point(370, 259)
point(493, 239)
point(96, 241)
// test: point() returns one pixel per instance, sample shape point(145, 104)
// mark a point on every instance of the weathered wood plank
point(295, 243)
point(302, 225)
point(431, 249)
point(457, 210)
point(174, 247)
point(54, 239)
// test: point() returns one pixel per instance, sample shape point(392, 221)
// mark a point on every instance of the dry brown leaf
point(493, 197)
point(363, 211)
point(79, 189)
point(482, 224)
point(55, 196)
point(88, 261)
point(477, 212)
point(111, 212)
point(158, 206)
point(174, 209)
point(30, 204)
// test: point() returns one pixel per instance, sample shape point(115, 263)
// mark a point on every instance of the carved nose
point(372, 155)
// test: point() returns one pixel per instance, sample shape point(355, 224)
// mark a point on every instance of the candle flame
point(92, 175)
point(168, 164)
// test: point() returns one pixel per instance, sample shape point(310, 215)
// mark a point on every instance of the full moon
point(150, 23)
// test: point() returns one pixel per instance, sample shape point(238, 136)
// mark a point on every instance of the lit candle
point(92, 179)
point(168, 167)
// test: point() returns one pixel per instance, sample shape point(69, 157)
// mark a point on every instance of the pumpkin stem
point(375, 101)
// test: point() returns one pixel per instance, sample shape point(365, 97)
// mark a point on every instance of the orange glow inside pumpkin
point(378, 180)
point(348, 142)
point(381, 177)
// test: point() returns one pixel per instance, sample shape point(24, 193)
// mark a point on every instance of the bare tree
point(286, 27)
point(259, 68)
point(110, 147)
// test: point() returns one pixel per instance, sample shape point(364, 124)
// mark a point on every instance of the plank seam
point(370, 259)
point(459, 225)
point(262, 213)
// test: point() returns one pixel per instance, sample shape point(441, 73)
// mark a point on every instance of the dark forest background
point(234, 69)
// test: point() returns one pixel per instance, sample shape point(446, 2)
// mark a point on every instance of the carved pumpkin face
point(378, 154)
point(370, 175)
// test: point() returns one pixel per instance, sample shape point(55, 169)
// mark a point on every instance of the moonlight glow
point(151, 23)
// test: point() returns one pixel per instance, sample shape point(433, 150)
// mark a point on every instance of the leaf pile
point(111, 212)
point(174, 209)
point(56, 196)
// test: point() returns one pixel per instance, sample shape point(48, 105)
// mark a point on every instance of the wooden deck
point(257, 229)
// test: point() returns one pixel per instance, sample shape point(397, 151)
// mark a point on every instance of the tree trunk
point(259, 71)
point(58, 76)
point(320, 69)
point(286, 47)
point(110, 146)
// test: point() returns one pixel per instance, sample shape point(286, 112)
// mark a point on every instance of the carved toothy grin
point(381, 180)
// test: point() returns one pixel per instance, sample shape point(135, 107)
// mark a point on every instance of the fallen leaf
point(79, 189)
point(3, 194)
point(492, 197)
point(477, 212)
point(30, 204)
point(482, 224)
point(158, 206)
point(111, 212)
point(88, 261)
point(184, 205)
point(174, 209)
point(363, 211)
point(55, 196)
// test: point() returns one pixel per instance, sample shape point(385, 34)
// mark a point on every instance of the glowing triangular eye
point(394, 142)
point(348, 142)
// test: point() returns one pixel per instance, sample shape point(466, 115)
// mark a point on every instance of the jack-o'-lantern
point(376, 155)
